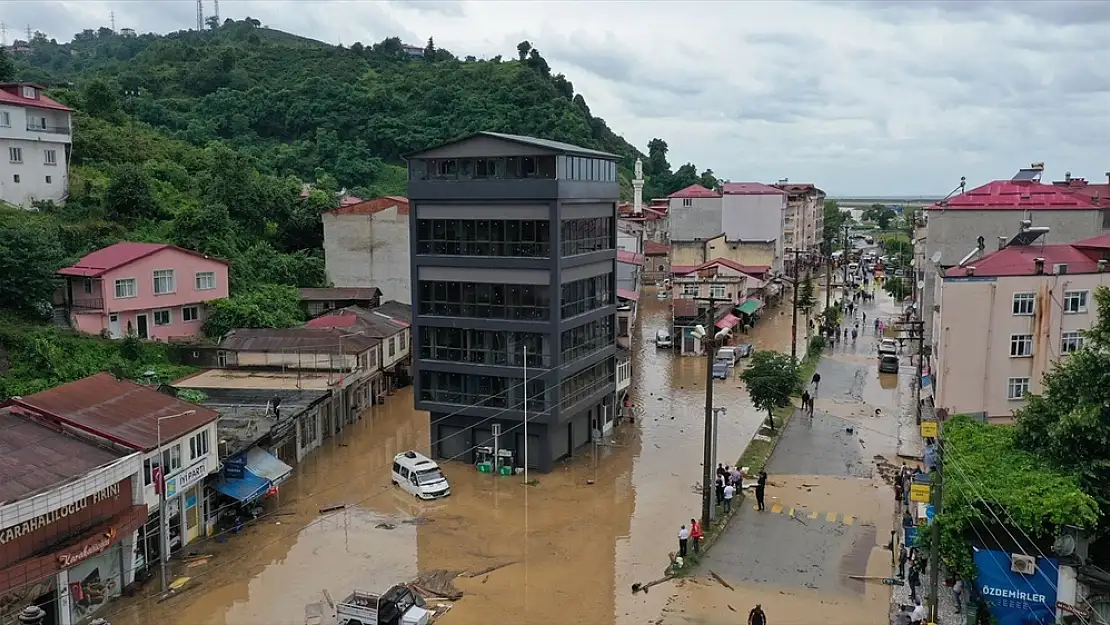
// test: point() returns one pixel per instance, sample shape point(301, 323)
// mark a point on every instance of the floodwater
point(571, 545)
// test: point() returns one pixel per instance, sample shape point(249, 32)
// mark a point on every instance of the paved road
point(814, 539)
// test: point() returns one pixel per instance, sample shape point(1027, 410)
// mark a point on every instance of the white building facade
point(35, 138)
point(367, 244)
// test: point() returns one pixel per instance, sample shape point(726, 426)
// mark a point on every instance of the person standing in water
point(760, 490)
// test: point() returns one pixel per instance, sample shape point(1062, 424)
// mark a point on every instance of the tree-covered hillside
point(206, 140)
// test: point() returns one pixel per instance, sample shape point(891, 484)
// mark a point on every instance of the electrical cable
point(609, 379)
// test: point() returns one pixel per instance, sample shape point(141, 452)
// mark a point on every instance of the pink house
point(156, 290)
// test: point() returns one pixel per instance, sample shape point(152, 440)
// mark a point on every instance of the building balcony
point(54, 130)
point(624, 370)
point(86, 304)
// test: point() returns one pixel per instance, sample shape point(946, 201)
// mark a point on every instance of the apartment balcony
point(87, 303)
point(53, 130)
point(624, 370)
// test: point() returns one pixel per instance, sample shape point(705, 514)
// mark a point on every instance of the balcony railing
point(57, 130)
point(88, 303)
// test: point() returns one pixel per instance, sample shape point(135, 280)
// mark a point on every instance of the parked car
point(419, 476)
point(888, 363)
point(745, 350)
point(727, 355)
point(720, 370)
point(888, 346)
point(661, 295)
point(663, 339)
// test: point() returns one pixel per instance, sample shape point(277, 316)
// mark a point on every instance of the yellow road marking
point(813, 515)
point(830, 517)
point(777, 508)
point(791, 513)
point(848, 520)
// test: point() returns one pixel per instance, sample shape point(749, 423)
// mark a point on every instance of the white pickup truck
point(397, 606)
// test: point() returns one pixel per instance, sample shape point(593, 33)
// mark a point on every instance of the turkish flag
point(156, 475)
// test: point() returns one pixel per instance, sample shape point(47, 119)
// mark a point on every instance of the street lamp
point(711, 343)
point(163, 522)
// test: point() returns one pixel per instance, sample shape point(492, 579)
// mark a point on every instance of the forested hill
point(298, 106)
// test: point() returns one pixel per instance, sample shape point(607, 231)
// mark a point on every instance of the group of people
point(729, 480)
point(686, 534)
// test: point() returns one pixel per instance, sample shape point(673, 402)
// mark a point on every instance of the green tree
point(130, 195)
point(266, 306)
point(30, 256)
point(835, 218)
point(771, 378)
point(807, 297)
point(101, 99)
point(899, 249)
point(880, 214)
point(430, 50)
point(1069, 421)
point(522, 50)
point(896, 288)
point(7, 67)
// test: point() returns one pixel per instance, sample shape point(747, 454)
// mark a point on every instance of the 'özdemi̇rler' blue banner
point(1017, 599)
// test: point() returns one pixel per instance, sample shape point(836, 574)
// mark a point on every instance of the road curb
point(713, 533)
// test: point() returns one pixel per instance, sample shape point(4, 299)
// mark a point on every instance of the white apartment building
point(35, 138)
point(367, 245)
point(804, 225)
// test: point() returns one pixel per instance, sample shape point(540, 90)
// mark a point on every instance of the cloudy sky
point(869, 97)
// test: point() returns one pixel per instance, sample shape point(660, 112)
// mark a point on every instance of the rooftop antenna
point(112, 16)
point(200, 16)
point(216, 8)
point(28, 33)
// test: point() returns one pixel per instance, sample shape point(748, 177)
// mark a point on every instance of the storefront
point(71, 576)
point(185, 504)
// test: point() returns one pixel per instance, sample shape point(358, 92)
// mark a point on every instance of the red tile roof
point(629, 258)
point(1098, 191)
point(1101, 242)
point(651, 248)
point(117, 410)
point(752, 270)
point(11, 93)
point(750, 188)
point(1011, 195)
point(1018, 261)
point(96, 264)
point(694, 191)
point(376, 205)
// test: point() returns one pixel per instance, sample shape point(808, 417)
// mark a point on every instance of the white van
point(419, 475)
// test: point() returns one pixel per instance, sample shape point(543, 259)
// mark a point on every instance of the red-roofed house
point(367, 245)
point(154, 290)
point(1005, 318)
point(35, 135)
point(996, 209)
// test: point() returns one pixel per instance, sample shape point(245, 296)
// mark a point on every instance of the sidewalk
point(910, 445)
point(946, 605)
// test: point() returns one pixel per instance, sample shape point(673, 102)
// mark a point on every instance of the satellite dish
point(936, 257)
point(921, 284)
point(1064, 545)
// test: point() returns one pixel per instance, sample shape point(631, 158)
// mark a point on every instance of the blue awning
point(244, 489)
point(266, 465)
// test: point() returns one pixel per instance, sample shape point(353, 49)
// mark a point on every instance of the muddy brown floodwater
point(576, 541)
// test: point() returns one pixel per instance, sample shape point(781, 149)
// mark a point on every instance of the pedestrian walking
point(756, 616)
point(805, 402)
point(914, 580)
point(816, 382)
point(720, 486)
point(760, 490)
point(958, 595)
point(696, 535)
point(730, 492)
point(902, 557)
point(683, 538)
point(865, 317)
point(898, 491)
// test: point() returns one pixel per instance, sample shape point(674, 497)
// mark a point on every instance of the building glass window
point(171, 459)
point(15, 155)
point(50, 157)
point(586, 383)
point(1024, 303)
point(163, 281)
point(517, 302)
point(492, 168)
point(198, 445)
point(582, 296)
point(690, 290)
point(162, 318)
point(125, 288)
point(5, 119)
point(190, 313)
point(1075, 302)
point(583, 236)
point(1017, 388)
point(586, 339)
point(484, 347)
point(518, 238)
point(1021, 345)
point(205, 280)
point(465, 389)
point(717, 291)
point(1070, 342)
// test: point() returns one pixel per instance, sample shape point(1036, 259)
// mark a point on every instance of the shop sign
point(185, 479)
point(1015, 598)
point(235, 466)
point(919, 493)
point(93, 548)
point(25, 528)
point(928, 429)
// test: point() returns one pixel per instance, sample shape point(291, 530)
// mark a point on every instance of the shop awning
point(267, 466)
point(749, 306)
point(628, 295)
point(729, 321)
point(243, 489)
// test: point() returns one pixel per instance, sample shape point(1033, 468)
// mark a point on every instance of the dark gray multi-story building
point(513, 250)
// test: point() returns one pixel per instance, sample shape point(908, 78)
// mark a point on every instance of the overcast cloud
point(872, 97)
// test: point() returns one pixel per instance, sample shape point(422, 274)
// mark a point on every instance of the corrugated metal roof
point(34, 458)
point(366, 320)
point(317, 340)
point(546, 144)
point(396, 310)
point(105, 259)
point(341, 293)
point(118, 410)
point(372, 206)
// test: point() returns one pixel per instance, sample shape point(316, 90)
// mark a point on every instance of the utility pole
point(216, 10)
point(935, 483)
point(200, 16)
point(844, 264)
point(709, 342)
point(112, 16)
point(28, 33)
point(794, 304)
point(828, 272)
point(915, 329)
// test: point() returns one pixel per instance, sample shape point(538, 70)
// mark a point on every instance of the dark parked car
point(745, 350)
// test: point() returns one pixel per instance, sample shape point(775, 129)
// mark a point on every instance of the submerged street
point(573, 544)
